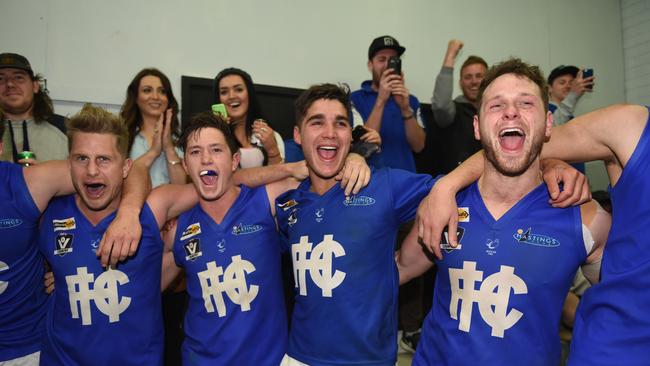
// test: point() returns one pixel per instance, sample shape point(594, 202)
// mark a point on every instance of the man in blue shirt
point(385, 105)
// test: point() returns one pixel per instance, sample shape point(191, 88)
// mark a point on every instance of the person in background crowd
point(566, 87)
point(385, 105)
point(150, 111)
point(455, 117)
point(27, 109)
point(260, 144)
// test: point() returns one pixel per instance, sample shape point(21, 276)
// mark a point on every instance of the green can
point(26, 155)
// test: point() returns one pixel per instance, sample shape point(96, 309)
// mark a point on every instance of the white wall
point(636, 48)
point(89, 50)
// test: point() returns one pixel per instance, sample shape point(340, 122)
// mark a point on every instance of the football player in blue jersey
point(342, 247)
point(517, 255)
point(612, 325)
point(24, 196)
point(229, 248)
point(93, 304)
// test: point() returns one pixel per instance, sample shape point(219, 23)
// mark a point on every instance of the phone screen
point(220, 109)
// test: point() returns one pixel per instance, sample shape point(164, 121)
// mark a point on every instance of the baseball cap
point(382, 42)
point(15, 61)
point(561, 71)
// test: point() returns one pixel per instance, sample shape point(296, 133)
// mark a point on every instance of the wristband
point(406, 118)
point(409, 116)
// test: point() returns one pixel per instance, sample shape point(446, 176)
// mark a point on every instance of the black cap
point(382, 42)
point(15, 61)
point(561, 71)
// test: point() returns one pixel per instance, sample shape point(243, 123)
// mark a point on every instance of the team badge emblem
point(192, 249)
point(444, 240)
point(63, 244)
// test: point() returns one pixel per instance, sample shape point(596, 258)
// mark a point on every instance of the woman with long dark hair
point(260, 144)
point(151, 114)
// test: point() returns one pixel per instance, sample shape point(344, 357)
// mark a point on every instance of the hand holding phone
point(357, 132)
point(363, 148)
point(395, 63)
point(587, 73)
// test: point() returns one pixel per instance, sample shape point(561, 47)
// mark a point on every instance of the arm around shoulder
point(48, 179)
point(275, 189)
point(609, 134)
point(170, 200)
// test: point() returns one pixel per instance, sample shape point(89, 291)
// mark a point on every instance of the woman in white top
point(259, 144)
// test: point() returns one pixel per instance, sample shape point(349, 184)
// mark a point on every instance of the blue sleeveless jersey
point(236, 313)
point(498, 297)
point(344, 268)
point(612, 325)
point(22, 296)
point(97, 316)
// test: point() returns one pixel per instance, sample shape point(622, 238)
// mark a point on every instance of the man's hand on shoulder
point(575, 190)
point(121, 238)
point(437, 211)
point(354, 175)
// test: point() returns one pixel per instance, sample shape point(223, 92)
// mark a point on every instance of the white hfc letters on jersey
point(318, 261)
point(234, 285)
point(103, 292)
point(493, 306)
